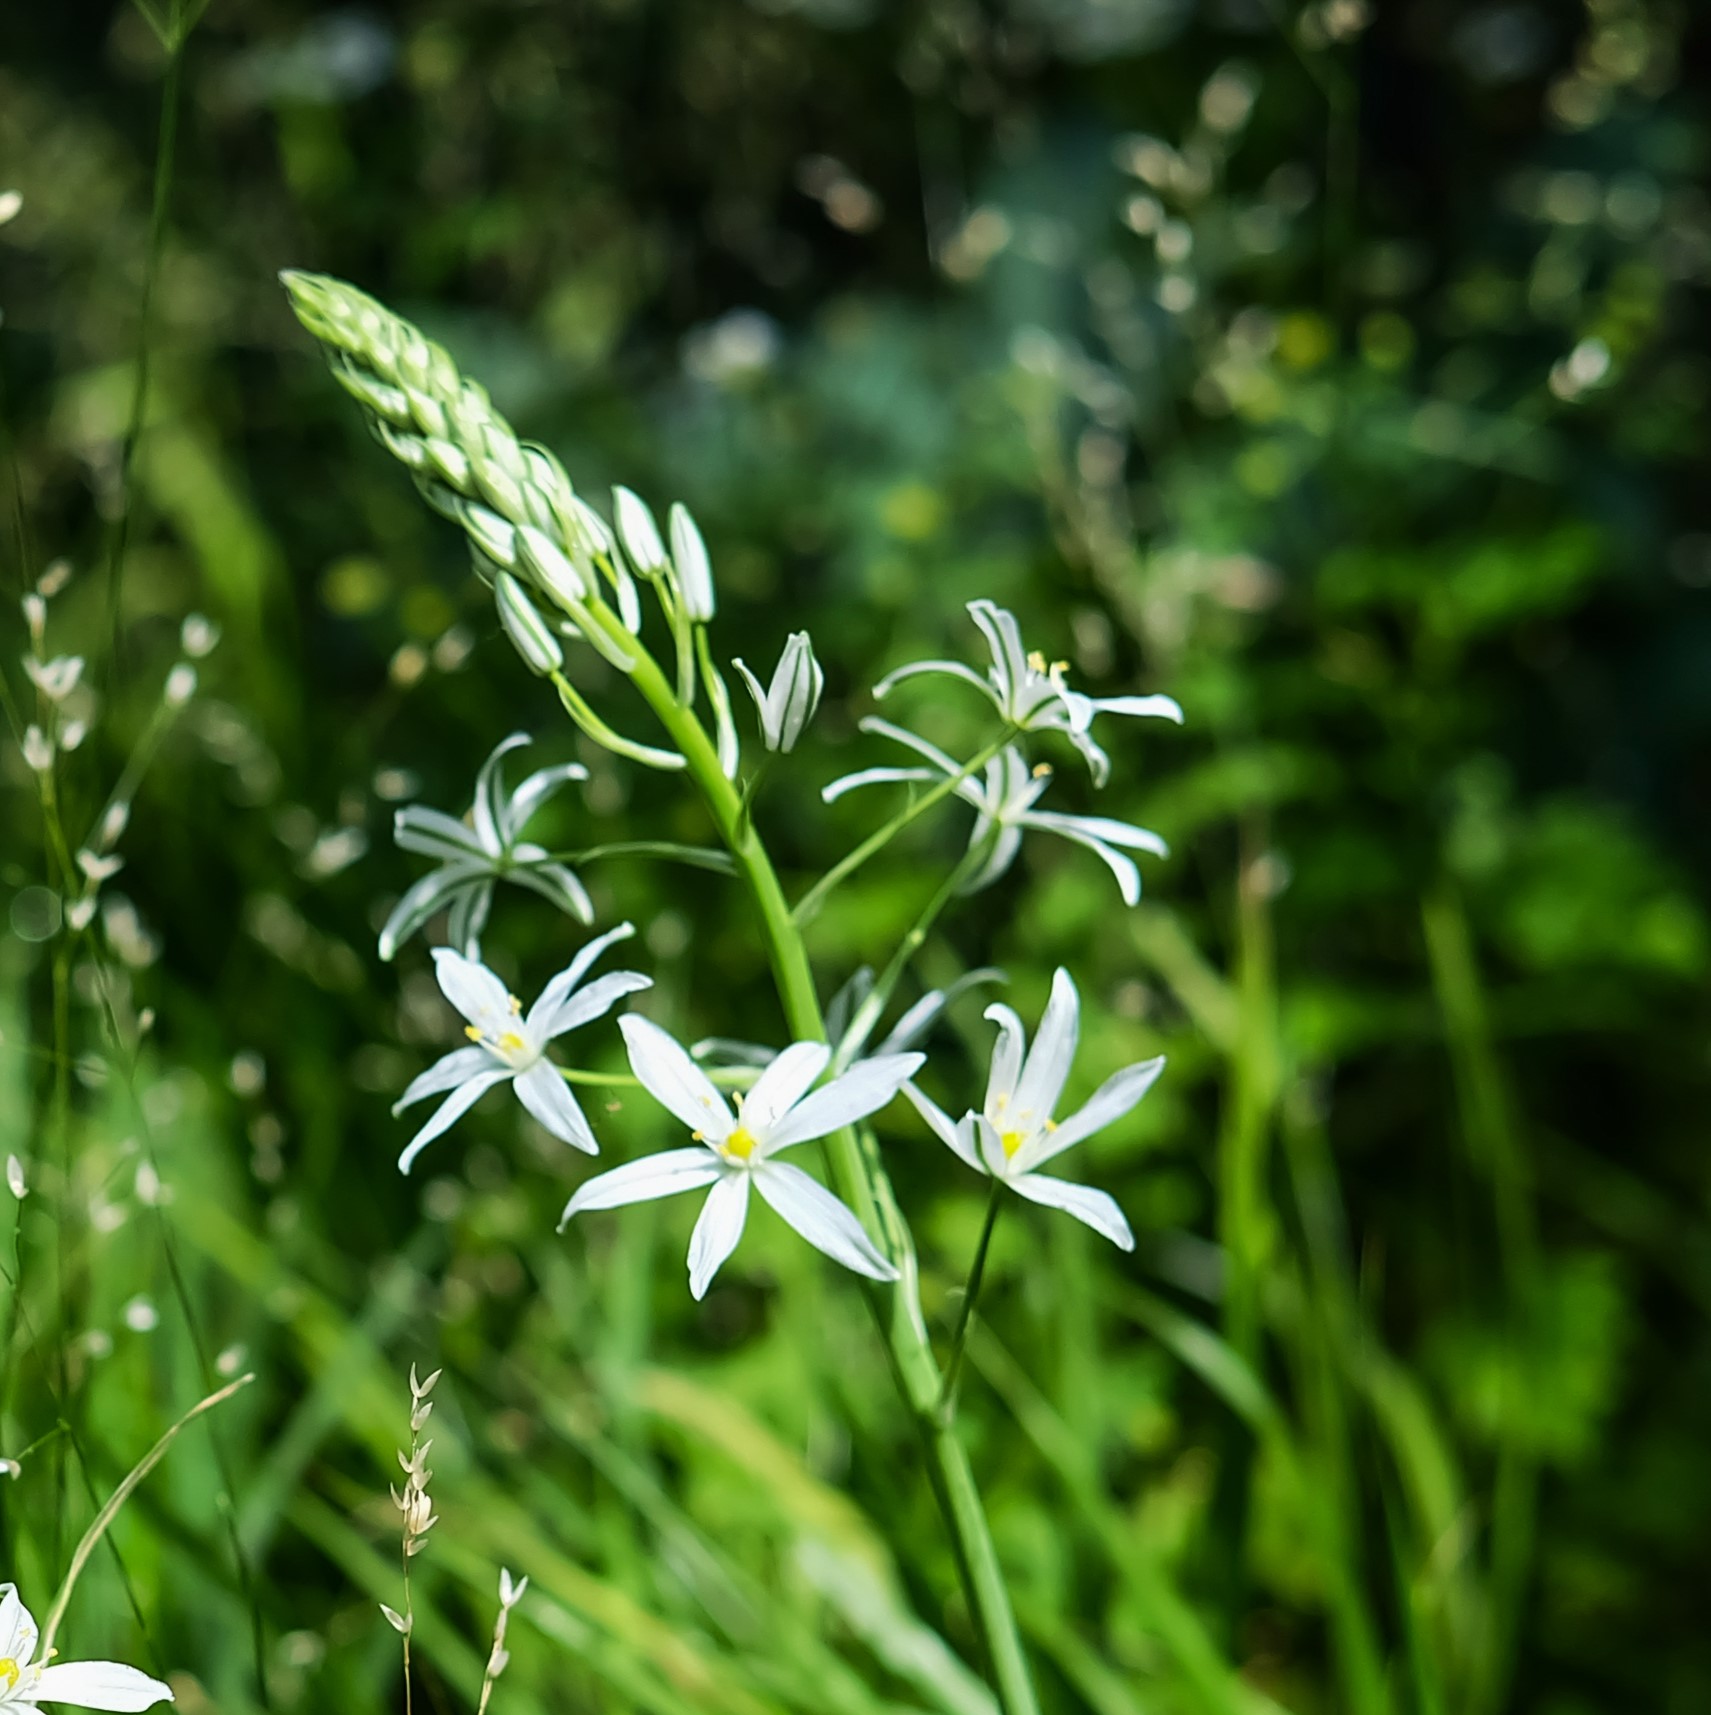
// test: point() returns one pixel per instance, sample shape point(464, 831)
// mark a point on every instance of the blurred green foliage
point(1339, 369)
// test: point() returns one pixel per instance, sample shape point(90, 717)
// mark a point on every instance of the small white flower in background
point(198, 636)
point(55, 679)
point(88, 1684)
point(508, 1045)
point(15, 1180)
point(499, 1658)
point(72, 734)
point(180, 685)
point(37, 748)
point(787, 705)
point(11, 202)
point(638, 532)
point(1004, 795)
point(34, 608)
point(694, 569)
point(1014, 1133)
point(480, 852)
point(521, 621)
point(10, 1468)
point(98, 867)
point(736, 1150)
point(113, 823)
point(1031, 695)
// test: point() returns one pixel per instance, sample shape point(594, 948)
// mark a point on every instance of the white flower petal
point(532, 794)
point(788, 1077)
point(674, 1080)
point(955, 668)
point(717, 1229)
point(558, 886)
point(1098, 763)
point(560, 988)
point(901, 735)
point(99, 1685)
point(1096, 1208)
point(1004, 638)
point(458, 1103)
point(452, 1069)
point(872, 777)
point(827, 1224)
point(488, 808)
point(1126, 870)
point(1165, 708)
point(864, 1089)
point(590, 1003)
point(1106, 829)
point(546, 1095)
point(436, 890)
point(473, 989)
point(433, 833)
point(468, 917)
point(1114, 1098)
point(1052, 1054)
point(1007, 1054)
point(17, 1626)
point(998, 860)
point(957, 1135)
point(654, 1176)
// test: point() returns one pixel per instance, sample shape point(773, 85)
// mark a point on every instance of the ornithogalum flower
point(89, 1684)
point(787, 705)
point(1031, 695)
point(735, 1150)
point(1004, 795)
point(508, 1045)
point(1014, 1135)
point(475, 853)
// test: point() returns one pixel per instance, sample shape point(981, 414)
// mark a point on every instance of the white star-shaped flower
point(1014, 1133)
point(477, 853)
point(25, 1685)
point(736, 1150)
point(1031, 695)
point(509, 1045)
point(1004, 795)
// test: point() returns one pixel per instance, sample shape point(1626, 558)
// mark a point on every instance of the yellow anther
point(1036, 660)
point(511, 1043)
point(516, 1006)
point(1012, 1141)
point(10, 1672)
point(1060, 667)
point(741, 1144)
point(1051, 1126)
point(473, 1032)
point(1042, 771)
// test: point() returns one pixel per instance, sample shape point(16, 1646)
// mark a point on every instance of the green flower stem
point(810, 902)
point(862, 1182)
point(970, 1297)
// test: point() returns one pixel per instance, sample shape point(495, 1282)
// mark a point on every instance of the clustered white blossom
point(736, 1143)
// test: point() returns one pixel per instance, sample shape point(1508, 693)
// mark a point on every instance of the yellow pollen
point(1042, 771)
point(1012, 1141)
point(1051, 1126)
point(516, 1006)
point(1037, 661)
point(10, 1672)
point(473, 1032)
point(1060, 666)
point(740, 1145)
point(512, 1043)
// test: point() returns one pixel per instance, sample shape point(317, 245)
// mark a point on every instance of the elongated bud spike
point(638, 532)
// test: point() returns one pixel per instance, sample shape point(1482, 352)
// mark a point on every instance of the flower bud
point(551, 567)
point(694, 569)
point(638, 532)
point(788, 704)
point(525, 627)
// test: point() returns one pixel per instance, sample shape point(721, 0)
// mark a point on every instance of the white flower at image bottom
point(1014, 1133)
point(88, 1684)
point(509, 1045)
point(737, 1150)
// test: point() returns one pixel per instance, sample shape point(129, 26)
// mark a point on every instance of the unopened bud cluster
point(412, 1502)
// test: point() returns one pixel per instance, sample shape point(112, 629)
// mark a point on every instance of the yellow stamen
point(1036, 660)
point(1042, 771)
point(516, 1006)
point(511, 1043)
point(741, 1144)
point(473, 1032)
point(1012, 1141)
point(10, 1672)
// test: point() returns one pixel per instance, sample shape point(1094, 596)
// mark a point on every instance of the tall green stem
point(970, 1297)
point(864, 1185)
